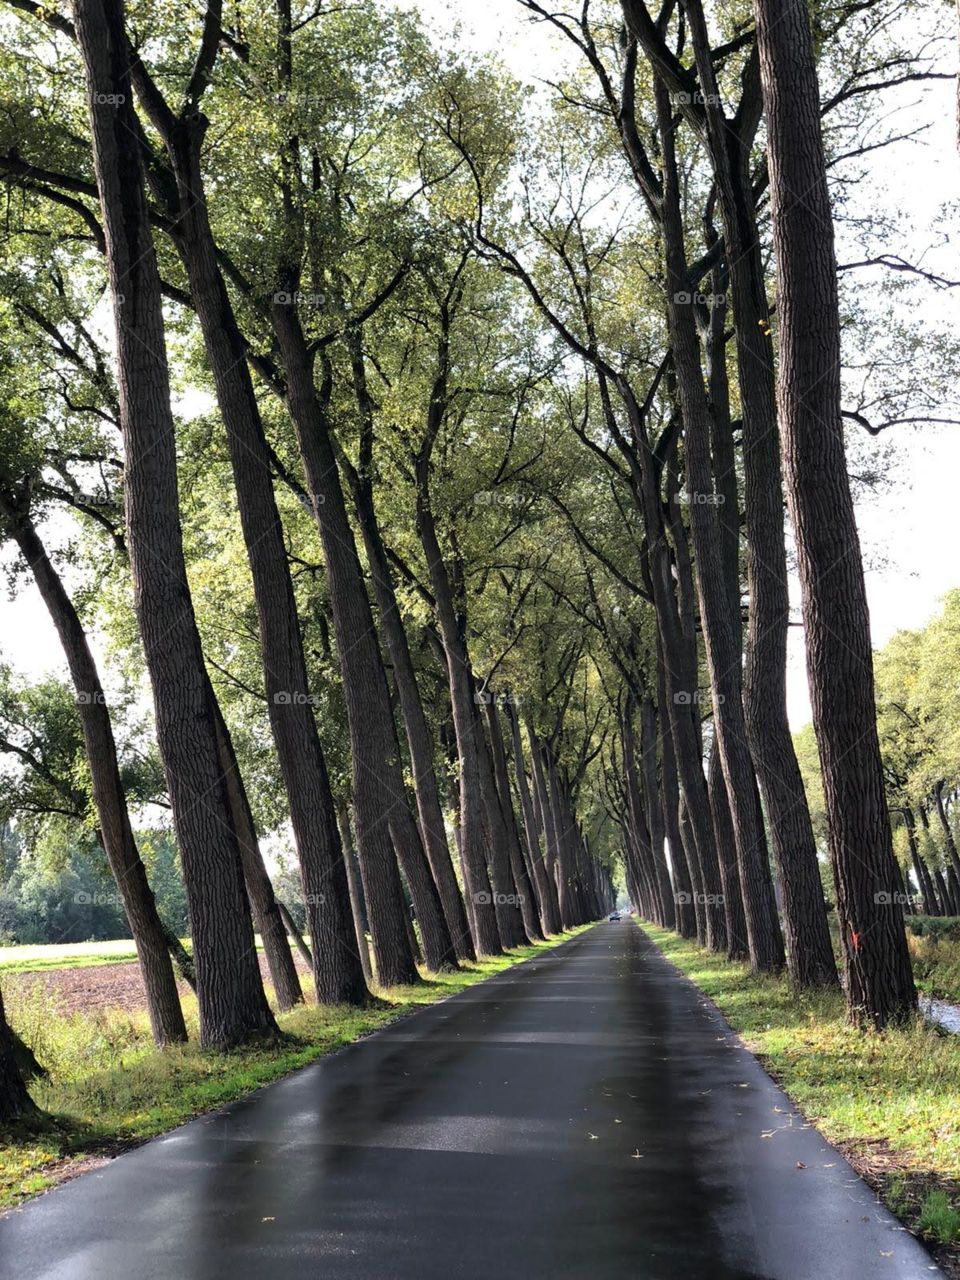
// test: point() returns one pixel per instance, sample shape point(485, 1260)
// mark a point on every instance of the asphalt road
point(583, 1115)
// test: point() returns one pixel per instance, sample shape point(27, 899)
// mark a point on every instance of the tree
point(230, 993)
point(839, 661)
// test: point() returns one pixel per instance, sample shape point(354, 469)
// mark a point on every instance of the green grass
point(69, 955)
point(936, 964)
point(34, 958)
point(109, 1088)
point(890, 1100)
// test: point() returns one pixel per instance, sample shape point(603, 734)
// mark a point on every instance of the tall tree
point(116, 831)
point(880, 985)
point(232, 1003)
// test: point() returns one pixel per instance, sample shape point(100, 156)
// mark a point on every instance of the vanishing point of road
point(585, 1114)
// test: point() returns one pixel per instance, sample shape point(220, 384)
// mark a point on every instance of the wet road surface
point(583, 1115)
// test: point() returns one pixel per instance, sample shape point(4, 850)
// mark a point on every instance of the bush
point(935, 927)
point(936, 965)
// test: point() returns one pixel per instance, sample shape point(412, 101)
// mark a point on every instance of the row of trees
point(917, 708)
point(447, 562)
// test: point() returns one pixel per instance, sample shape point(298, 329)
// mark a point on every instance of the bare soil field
point(86, 988)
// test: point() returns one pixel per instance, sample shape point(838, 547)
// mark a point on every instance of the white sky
point(911, 531)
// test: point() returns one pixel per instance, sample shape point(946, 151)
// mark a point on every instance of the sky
point(908, 532)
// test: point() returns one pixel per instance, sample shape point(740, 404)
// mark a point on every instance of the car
point(615, 916)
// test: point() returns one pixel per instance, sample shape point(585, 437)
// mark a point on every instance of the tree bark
point(546, 889)
point(764, 939)
point(293, 932)
point(652, 800)
point(880, 986)
point(230, 993)
point(419, 739)
point(116, 831)
point(462, 684)
point(266, 914)
point(338, 974)
point(385, 830)
point(15, 1101)
point(377, 782)
point(529, 906)
point(691, 921)
point(809, 950)
point(727, 852)
point(356, 888)
point(924, 879)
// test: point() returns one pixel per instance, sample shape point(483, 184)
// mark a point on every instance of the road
point(585, 1114)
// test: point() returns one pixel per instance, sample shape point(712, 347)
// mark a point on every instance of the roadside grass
point(109, 1088)
point(890, 1101)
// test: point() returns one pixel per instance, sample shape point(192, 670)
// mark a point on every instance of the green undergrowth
point(890, 1100)
point(936, 963)
point(109, 1088)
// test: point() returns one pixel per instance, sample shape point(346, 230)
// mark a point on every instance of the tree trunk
point(691, 921)
point(230, 993)
point(521, 874)
point(723, 658)
point(356, 888)
point(377, 779)
point(462, 684)
point(924, 880)
point(266, 914)
point(880, 986)
point(546, 817)
point(639, 797)
point(298, 940)
point(654, 807)
point(506, 894)
point(727, 852)
point(15, 1101)
point(678, 663)
point(546, 889)
point(338, 974)
point(113, 818)
point(948, 840)
point(949, 906)
point(562, 825)
point(809, 950)
point(419, 739)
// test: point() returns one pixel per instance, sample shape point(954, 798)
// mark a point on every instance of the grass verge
point(890, 1101)
point(68, 955)
point(109, 1089)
